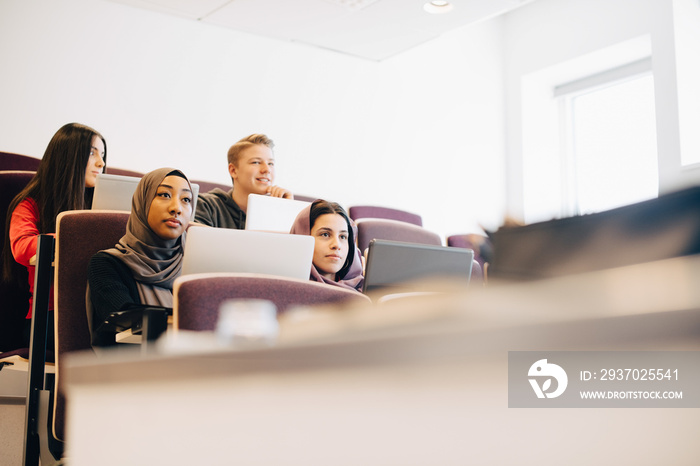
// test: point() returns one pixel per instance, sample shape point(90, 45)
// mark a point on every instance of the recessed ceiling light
point(437, 6)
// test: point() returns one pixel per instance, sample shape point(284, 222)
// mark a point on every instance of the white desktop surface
point(405, 384)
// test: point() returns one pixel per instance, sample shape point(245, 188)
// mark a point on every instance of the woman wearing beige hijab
point(140, 270)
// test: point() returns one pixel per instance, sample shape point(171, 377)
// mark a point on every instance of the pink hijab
point(353, 278)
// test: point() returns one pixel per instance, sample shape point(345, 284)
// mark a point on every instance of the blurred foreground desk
point(413, 382)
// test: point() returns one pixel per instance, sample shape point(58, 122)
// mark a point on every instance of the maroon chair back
point(122, 172)
point(305, 198)
point(197, 297)
point(480, 244)
point(10, 161)
point(368, 211)
point(11, 183)
point(79, 235)
point(206, 186)
point(14, 297)
point(370, 228)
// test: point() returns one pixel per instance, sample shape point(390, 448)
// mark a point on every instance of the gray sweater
point(217, 209)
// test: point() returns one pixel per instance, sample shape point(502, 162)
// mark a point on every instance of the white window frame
point(539, 160)
point(564, 95)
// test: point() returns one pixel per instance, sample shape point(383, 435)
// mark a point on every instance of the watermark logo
point(603, 379)
point(544, 371)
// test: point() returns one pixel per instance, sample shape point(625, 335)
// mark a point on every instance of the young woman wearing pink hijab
point(336, 260)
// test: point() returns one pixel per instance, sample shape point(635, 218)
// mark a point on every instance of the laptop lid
point(393, 264)
point(267, 213)
point(114, 192)
point(227, 250)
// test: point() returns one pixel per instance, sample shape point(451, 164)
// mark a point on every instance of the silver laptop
point(227, 250)
point(266, 213)
point(394, 265)
point(114, 192)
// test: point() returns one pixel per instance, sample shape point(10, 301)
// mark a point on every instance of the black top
point(218, 209)
point(112, 289)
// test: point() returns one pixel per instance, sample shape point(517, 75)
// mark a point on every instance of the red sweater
point(24, 236)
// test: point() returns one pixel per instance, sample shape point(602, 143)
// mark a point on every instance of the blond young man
point(251, 164)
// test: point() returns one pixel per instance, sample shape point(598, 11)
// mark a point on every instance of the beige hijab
point(154, 262)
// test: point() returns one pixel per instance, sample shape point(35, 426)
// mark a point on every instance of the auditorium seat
point(305, 198)
point(395, 230)
point(10, 161)
point(14, 297)
point(76, 243)
point(197, 297)
point(122, 171)
point(368, 211)
point(480, 244)
point(206, 186)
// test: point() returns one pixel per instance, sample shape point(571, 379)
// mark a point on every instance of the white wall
point(687, 45)
point(546, 33)
point(422, 131)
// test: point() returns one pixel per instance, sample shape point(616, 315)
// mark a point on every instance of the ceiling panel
point(192, 9)
point(371, 29)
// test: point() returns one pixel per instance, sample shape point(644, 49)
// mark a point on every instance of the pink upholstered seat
point(79, 235)
point(480, 244)
point(197, 297)
point(10, 161)
point(370, 228)
point(304, 197)
point(123, 172)
point(206, 186)
point(14, 297)
point(368, 211)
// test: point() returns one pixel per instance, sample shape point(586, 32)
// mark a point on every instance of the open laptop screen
point(393, 264)
point(114, 192)
point(227, 250)
point(266, 213)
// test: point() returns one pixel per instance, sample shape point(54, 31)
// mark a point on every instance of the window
point(589, 133)
point(608, 140)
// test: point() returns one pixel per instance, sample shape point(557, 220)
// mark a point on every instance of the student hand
point(276, 191)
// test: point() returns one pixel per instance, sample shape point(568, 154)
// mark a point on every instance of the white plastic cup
point(246, 323)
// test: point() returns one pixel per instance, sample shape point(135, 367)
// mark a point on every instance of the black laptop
point(394, 266)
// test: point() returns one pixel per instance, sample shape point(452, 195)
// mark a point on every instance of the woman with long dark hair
point(64, 181)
